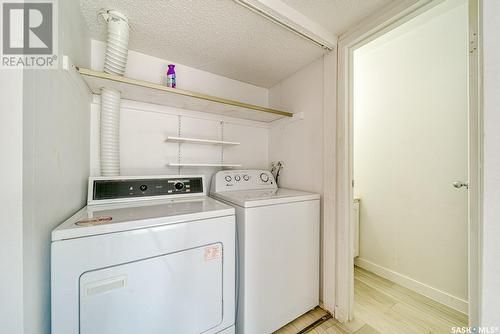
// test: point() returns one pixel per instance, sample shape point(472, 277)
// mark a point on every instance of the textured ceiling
point(218, 36)
point(223, 37)
point(337, 15)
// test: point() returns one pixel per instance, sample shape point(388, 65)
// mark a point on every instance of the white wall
point(144, 127)
point(299, 142)
point(490, 305)
point(55, 161)
point(410, 143)
point(11, 223)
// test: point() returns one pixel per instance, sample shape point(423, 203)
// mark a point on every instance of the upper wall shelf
point(144, 91)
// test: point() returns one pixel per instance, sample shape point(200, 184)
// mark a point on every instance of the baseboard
point(409, 283)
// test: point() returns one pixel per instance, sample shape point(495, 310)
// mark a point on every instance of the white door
point(178, 293)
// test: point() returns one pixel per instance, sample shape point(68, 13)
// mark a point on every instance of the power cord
point(276, 169)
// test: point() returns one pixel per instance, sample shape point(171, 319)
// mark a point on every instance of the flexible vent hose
point(114, 63)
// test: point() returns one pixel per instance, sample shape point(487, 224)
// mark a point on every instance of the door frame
point(343, 205)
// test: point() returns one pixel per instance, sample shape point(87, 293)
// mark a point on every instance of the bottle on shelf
point(171, 79)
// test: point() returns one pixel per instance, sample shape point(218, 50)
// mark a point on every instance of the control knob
point(264, 177)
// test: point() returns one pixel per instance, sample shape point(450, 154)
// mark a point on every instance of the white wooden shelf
point(200, 141)
point(144, 91)
point(202, 165)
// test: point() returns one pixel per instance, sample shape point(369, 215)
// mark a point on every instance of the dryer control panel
point(232, 180)
point(121, 188)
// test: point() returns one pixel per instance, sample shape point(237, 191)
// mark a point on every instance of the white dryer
point(147, 255)
point(278, 249)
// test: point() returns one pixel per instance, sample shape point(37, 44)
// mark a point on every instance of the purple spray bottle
point(171, 80)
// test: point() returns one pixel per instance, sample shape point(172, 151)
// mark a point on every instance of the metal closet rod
point(270, 17)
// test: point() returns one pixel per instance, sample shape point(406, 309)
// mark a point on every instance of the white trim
point(419, 287)
point(475, 165)
point(328, 250)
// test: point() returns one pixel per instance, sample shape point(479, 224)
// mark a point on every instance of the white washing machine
point(147, 255)
point(278, 249)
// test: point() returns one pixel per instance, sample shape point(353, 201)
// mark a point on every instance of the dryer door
point(178, 293)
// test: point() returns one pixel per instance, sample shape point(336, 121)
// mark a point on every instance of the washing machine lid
point(110, 218)
point(255, 198)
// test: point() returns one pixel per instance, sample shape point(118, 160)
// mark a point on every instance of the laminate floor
point(384, 307)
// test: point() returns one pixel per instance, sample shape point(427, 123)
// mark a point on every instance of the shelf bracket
point(69, 66)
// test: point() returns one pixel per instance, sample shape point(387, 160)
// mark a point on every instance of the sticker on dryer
point(94, 221)
point(212, 252)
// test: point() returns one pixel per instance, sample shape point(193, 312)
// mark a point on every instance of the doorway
point(411, 154)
